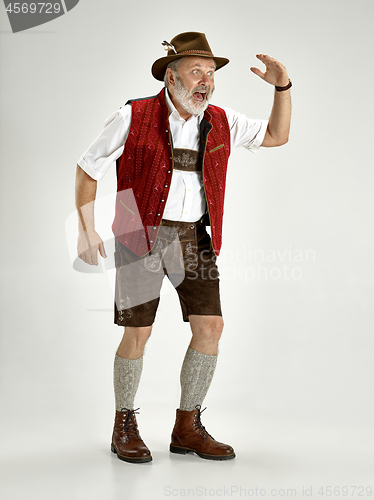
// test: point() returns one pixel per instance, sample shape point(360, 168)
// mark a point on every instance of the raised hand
point(275, 74)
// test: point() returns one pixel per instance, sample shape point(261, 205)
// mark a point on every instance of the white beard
point(185, 97)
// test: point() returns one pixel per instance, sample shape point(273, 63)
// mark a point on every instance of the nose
point(205, 80)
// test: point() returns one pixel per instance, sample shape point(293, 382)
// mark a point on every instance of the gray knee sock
point(196, 375)
point(126, 376)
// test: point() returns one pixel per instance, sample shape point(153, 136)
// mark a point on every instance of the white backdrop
point(293, 387)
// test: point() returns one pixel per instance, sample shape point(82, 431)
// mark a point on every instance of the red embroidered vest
point(145, 168)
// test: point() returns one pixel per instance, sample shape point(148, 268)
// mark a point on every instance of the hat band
point(194, 52)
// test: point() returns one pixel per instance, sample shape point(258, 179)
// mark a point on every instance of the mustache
point(202, 88)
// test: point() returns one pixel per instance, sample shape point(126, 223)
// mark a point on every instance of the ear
point(170, 76)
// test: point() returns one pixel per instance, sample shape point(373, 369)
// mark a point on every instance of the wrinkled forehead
point(196, 61)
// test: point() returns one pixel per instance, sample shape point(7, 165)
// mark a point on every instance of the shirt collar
point(174, 111)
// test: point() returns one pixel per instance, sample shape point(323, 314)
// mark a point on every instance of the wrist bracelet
point(281, 89)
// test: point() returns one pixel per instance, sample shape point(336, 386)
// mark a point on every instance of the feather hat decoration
point(168, 46)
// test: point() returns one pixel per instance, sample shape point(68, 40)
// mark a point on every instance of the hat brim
point(159, 66)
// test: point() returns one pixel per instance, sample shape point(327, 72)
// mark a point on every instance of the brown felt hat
point(182, 45)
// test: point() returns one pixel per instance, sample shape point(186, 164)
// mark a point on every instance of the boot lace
point(198, 426)
point(130, 425)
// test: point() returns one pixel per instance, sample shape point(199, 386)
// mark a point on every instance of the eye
point(195, 72)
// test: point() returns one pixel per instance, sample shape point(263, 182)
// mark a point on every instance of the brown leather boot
point(190, 435)
point(126, 441)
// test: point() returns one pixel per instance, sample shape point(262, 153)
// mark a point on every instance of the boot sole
point(132, 460)
point(183, 451)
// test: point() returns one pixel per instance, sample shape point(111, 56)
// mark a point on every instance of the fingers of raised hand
point(266, 57)
point(257, 72)
point(275, 72)
point(270, 62)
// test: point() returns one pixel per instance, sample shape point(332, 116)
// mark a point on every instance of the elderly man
point(172, 152)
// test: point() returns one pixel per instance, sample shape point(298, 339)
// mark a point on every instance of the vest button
point(169, 171)
point(158, 215)
point(166, 185)
point(150, 241)
point(162, 201)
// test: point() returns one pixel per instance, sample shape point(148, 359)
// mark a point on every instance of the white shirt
point(186, 200)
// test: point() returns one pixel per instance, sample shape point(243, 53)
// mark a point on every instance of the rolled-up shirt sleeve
point(245, 131)
point(108, 145)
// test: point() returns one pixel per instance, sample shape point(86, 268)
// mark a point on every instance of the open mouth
point(199, 96)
